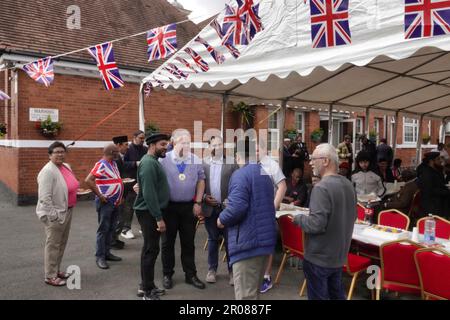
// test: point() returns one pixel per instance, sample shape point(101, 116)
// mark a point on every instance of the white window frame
point(376, 127)
point(414, 126)
point(302, 127)
point(271, 132)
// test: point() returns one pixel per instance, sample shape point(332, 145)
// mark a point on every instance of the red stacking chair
point(360, 211)
point(398, 269)
point(393, 218)
point(433, 266)
point(442, 227)
point(292, 240)
point(355, 265)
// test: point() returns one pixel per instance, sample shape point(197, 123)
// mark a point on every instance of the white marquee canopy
point(380, 69)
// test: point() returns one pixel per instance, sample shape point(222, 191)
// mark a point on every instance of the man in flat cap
point(434, 193)
point(152, 198)
point(126, 169)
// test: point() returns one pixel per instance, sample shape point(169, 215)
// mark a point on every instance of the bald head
point(110, 151)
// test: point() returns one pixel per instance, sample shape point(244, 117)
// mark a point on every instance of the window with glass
point(299, 122)
point(410, 130)
point(273, 132)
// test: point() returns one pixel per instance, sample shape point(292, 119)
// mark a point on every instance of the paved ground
point(22, 274)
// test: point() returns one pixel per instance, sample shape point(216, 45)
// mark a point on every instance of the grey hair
point(329, 151)
point(178, 133)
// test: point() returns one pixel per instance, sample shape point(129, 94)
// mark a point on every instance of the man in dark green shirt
point(153, 196)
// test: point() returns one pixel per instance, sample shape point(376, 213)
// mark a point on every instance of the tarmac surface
point(22, 264)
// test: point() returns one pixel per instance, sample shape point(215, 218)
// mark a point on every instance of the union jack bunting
point(108, 180)
point(218, 57)
point(233, 50)
point(233, 28)
point(186, 64)
point(426, 18)
point(159, 83)
point(4, 96)
point(197, 59)
point(162, 42)
point(253, 23)
point(329, 23)
point(104, 56)
point(41, 71)
point(178, 71)
point(170, 78)
point(148, 87)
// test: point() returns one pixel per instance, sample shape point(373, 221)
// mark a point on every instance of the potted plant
point(290, 133)
point(245, 113)
point(316, 135)
point(151, 127)
point(426, 139)
point(2, 129)
point(49, 128)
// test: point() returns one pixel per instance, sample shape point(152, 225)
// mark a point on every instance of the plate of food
point(81, 191)
point(128, 180)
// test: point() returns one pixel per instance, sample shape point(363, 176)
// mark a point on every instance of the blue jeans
point(213, 240)
point(107, 221)
point(323, 283)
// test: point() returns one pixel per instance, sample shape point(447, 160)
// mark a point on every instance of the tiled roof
point(39, 27)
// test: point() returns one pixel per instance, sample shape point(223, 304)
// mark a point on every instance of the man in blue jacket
point(251, 224)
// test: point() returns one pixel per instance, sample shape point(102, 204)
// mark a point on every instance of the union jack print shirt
point(108, 180)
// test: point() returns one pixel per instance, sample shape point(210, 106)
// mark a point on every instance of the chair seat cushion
point(357, 263)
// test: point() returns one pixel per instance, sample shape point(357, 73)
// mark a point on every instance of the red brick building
point(81, 100)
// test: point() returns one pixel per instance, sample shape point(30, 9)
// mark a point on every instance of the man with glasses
point(105, 181)
point(328, 227)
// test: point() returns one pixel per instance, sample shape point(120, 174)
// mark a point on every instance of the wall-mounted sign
point(39, 114)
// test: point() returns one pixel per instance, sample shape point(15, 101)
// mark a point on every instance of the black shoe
point(158, 291)
point(101, 263)
point(167, 282)
point(111, 257)
point(150, 296)
point(118, 245)
point(195, 282)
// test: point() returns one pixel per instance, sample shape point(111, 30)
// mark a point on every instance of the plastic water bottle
point(430, 230)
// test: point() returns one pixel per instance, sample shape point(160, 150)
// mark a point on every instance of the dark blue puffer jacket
point(250, 214)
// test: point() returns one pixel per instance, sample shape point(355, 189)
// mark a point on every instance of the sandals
point(63, 275)
point(56, 282)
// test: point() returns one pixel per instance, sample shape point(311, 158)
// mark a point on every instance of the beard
point(160, 153)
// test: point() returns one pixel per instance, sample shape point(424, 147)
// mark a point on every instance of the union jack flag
point(329, 23)
point(426, 18)
point(108, 180)
point(253, 23)
point(162, 42)
point(148, 87)
point(104, 56)
point(233, 28)
point(41, 71)
point(233, 50)
point(177, 71)
point(197, 59)
point(187, 64)
point(4, 96)
point(218, 57)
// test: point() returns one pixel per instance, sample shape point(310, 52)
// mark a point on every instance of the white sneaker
point(211, 276)
point(127, 235)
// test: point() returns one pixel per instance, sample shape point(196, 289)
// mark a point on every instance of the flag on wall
point(233, 50)
point(162, 42)
point(197, 59)
point(329, 23)
point(426, 18)
point(104, 56)
point(41, 71)
point(218, 57)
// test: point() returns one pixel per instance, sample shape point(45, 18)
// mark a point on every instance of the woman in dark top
point(297, 191)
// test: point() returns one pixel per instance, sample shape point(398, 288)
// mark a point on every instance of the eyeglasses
point(317, 158)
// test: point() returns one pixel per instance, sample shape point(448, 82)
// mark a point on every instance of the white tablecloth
point(359, 236)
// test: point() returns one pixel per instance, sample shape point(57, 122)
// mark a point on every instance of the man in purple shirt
point(186, 179)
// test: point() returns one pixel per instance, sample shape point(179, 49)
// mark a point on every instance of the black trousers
point(179, 218)
point(150, 250)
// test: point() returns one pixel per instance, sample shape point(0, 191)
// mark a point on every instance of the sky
point(202, 9)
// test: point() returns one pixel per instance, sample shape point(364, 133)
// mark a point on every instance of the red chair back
point(442, 227)
point(360, 211)
point(393, 218)
point(291, 236)
point(433, 266)
point(398, 269)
